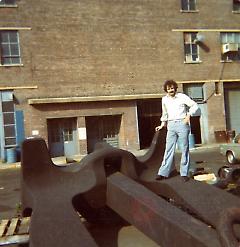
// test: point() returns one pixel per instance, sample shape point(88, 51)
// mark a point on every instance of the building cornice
point(78, 99)
point(93, 98)
point(15, 28)
point(17, 87)
point(205, 30)
point(210, 80)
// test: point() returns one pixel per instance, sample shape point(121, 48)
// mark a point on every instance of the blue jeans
point(177, 131)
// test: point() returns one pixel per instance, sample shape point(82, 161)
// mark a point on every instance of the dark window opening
point(189, 5)
point(10, 48)
point(236, 5)
point(8, 118)
point(191, 49)
point(7, 2)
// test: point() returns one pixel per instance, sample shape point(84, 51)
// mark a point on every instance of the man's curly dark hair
point(168, 83)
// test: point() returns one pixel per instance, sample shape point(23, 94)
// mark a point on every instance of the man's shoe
point(185, 178)
point(159, 177)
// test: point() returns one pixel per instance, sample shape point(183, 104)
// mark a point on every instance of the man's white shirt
point(177, 107)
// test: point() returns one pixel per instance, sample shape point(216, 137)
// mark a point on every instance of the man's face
point(171, 91)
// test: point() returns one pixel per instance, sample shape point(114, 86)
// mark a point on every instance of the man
point(177, 108)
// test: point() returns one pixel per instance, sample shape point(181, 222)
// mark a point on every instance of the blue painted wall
point(20, 127)
point(19, 131)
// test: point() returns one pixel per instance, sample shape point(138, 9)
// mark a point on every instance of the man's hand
point(186, 120)
point(163, 124)
point(158, 128)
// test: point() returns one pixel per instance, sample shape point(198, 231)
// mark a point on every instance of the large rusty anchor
point(115, 180)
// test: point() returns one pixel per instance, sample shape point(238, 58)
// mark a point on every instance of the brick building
point(76, 72)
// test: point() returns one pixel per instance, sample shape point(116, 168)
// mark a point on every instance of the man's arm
point(164, 117)
point(193, 108)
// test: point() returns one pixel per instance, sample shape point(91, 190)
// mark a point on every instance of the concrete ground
point(9, 192)
point(107, 235)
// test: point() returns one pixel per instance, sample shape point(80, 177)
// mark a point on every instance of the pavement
point(63, 160)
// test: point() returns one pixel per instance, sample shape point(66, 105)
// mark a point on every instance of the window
point(236, 5)
point(8, 118)
point(7, 2)
point(188, 5)
point(67, 135)
point(191, 49)
point(10, 49)
point(68, 131)
point(194, 90)
point(230, 43)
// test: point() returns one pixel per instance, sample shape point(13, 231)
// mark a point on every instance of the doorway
point(196, 129)
point(149, 113)
point(62, 137)
point(103, 128)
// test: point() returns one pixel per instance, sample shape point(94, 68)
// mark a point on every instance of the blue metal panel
point(20, 127)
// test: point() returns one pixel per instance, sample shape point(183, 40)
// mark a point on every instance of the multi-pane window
point(8, 115)
point(7, 2)
point(60, 131)
point(188, 5)
point(230, 42)
point(195, 91)
point(67, 131)
point(236, 5)
point(10, 48)
point(191, 49)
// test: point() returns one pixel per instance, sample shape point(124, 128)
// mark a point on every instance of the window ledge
point(201, 102)
point(9, 6)
point(236, 11)
point(227, 61)
point(193, 62)
point(11, 65)
point(11, 146)
point(189, 11)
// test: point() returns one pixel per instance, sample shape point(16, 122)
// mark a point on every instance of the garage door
point(103, 128)
point(232, 103)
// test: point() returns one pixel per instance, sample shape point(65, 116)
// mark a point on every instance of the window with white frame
point(7, 2)
point(8, 118)
point(188, 5)
point(236, 5)
point(191, 49)
point(230, 45)
point(10, 47)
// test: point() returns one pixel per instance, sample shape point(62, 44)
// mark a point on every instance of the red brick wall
point(128, 136)
point(90, 48)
